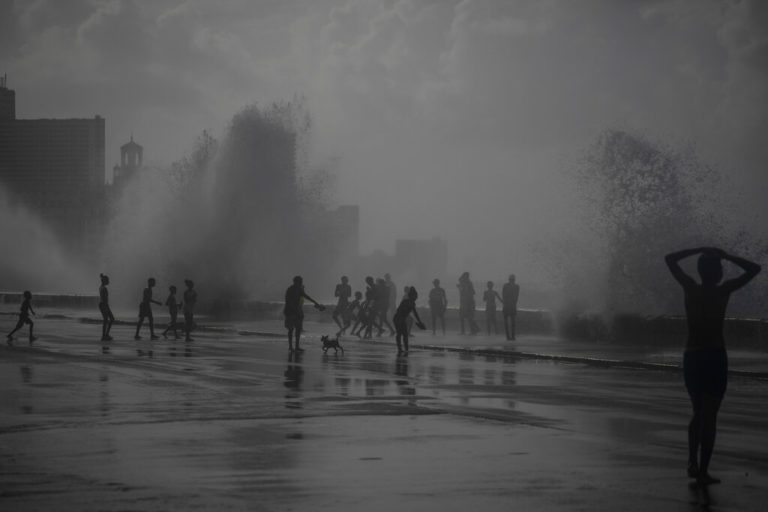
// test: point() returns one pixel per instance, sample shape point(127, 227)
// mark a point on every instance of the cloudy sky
point(457, 119)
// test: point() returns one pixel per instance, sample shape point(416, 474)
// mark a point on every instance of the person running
point(705, 362)
point(367, 317)
point(145, 310)
point(107, 318)
point(467, 303)
point(404, 310)
point(489, 297)
point(438, 303)
point(26, 309)
point(352, 313)
point(173, 310)
point(294, 312)
point(188, 307)
point(383, 295)
point(510, 292)
point(343, 292)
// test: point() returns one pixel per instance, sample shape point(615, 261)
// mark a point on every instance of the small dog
point(331, 343)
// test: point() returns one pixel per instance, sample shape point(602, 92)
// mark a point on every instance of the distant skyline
point(458, 119)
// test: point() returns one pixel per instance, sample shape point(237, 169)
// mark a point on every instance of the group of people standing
point(370, 310)
point(145, 309)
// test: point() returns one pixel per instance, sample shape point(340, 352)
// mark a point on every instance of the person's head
point(387, 277)
point(490, 285)
point(380, 281)
point(464, 276)
point(104, 279)
point(436, 282)
point(412, 293)
point(297, 280)
point(358, 295)
point(27, 294)
point(151, 282)
point(189, 283)
point(512, 278)
point(710, 268)
point(172, 289)
point(369, 280)
point(344, 279)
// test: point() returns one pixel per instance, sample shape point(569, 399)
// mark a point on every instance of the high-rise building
point(54, 168)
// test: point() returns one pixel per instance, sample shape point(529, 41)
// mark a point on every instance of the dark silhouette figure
point(353, 313)
point(145, 310)
point(341, 314)
point(489, 297)
point(188, 307)
point(408, 320)
point(467, 304)
point(26, 309)
point(383, 295)
point(173, 310)
point(705, 362)
point(510, 292)
point(107, 318)
point(367, 318)
point(438, 303)
point(404, 310)
point(294, 312)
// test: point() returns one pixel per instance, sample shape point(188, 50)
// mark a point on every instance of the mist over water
point(234, 216)
point(32, 257)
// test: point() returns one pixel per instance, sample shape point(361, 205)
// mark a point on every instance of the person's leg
point(187, 325)
point(488, 322)
point(138, 327)
point(335, 317)
point(19, 325)
point(111, 319)
point(31, 327)
point(442, 321)
point(434, 320)
point(694, 437)
point(710, 405)
point(290, 339)
point(299, 326)
point(461, 319)
point(151, 320)
point(512, 324)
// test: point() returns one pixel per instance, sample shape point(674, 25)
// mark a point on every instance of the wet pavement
point(233, 422)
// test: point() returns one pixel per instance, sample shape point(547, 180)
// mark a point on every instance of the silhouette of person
point(489, 297)
point(383, 294)
point(404, 310)
point(438, 303)
point(510, 292)
point(343, 292)
point(294, 312)
point(467, 303)
point(145, 310)
point(368, 318)
point(26, 309)
point(408, 320)
point(705, 362)
point(173, 310)
point(352, 313)
point(107, 318)
point(188, 307)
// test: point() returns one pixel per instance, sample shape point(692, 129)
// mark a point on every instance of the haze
point(458, 119)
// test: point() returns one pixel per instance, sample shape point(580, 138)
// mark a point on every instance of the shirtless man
point(705, 362)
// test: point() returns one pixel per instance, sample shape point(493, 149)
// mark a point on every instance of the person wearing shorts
point(705, 361)
point(294, 312)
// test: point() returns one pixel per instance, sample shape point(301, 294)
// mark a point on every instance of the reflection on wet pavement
point(232, 422)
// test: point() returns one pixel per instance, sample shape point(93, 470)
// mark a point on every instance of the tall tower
point(131, 159)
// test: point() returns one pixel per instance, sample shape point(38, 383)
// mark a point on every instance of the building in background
point(55, 168)
point(131, 160)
